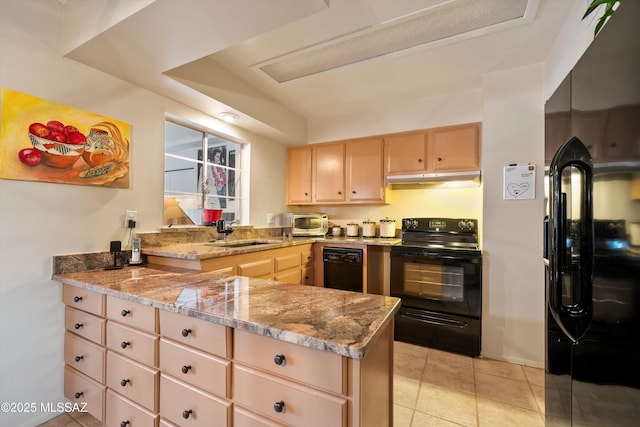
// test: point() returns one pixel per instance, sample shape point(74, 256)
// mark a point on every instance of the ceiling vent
point(452, 18)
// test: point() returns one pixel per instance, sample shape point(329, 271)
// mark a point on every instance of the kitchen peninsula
point(192, 347)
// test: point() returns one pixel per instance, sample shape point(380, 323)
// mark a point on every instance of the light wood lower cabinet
point(291, 264)
point(205, 374)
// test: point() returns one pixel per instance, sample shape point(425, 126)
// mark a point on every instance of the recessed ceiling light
point(228, 117)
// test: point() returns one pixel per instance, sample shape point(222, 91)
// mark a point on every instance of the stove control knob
point(462, 224)
point(470, 225)
point(410, 224)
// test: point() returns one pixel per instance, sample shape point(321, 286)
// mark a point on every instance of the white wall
point(513, 297)
point(40, 220)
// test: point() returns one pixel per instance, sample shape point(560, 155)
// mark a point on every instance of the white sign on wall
point(519, 182)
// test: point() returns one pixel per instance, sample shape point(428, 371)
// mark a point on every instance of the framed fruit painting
point(44, 141)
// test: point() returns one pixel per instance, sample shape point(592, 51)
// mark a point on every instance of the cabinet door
point(365, 170)
point(589, 126)
point(407, 152)
point(455, 148)
point(299, 175)
point(328, 172)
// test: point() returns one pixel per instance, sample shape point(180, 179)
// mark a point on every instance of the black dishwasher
point(342, 268)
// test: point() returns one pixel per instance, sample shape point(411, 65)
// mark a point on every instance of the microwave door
point(571, 238)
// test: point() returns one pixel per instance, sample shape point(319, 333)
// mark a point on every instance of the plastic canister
point(388, 228)
point(352, 230)
point(368, 229)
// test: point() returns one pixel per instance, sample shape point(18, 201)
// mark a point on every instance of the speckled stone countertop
point(340, 322)
point(205, 250)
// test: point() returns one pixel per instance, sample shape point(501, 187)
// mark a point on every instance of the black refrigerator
point(592, 233)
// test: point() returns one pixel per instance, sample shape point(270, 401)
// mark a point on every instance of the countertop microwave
point(309, 224)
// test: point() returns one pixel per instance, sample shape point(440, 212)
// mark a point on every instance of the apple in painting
point(54, 135)
point(70, 129)
point(29, 156)
point(39, 130)
point(76, 138)
point(55, 125)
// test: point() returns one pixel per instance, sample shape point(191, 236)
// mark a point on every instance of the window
point(201, 171)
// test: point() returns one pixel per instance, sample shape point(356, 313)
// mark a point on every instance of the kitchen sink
point(238, 244)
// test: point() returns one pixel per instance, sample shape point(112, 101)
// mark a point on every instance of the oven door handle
point(435, 255)
point(434, 320)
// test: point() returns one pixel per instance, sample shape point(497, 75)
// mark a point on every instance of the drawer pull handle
point(125, 344)
point(77, 299)
point(186, 368)
point(78, 325)
point(186, 332)
point(187, 414)
point(279, 359)
point(78, 395)
point(124, 313)
point(78, 358)
point(279, 406)
point(124, 383)
point(124, 423)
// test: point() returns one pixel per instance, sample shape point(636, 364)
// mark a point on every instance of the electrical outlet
point(271, 218)
point(130, 216)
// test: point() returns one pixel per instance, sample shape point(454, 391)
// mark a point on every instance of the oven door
point(446, 281)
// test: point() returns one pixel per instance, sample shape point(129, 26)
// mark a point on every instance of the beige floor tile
point(498, 368)
point(61, 420)
point(497, 414)
point(538, 394)
point(87, 420)
point(451, 359)
point(449, 404)
point(512, 392)
point(406, 348)
point(426, 420)
point(402, 416)
point(442, 374)
point(409, 364)
point(405, 391)
point(535, 376)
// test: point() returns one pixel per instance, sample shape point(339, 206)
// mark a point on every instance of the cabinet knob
point(78, 358)
point(123, 383)
point(124, 423)
point(187, 414)
point(353, 191)
point(78, 395)
point(186, 368)
point(186, 332)
point(306, 194)
point(78, 325)
point(279, 359)
point(278, 406)
point(124, 313)
point(125, 344)
point(419, 160)
point(613, 145)
point(340, 192)
point(77, 299)
point(439, 159)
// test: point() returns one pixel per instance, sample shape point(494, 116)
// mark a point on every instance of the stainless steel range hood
point(471, 177)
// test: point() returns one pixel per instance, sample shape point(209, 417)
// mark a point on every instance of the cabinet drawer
point(244, 418)
point(83, 299)
point(188, 406)
point(133, 314)
point(291, 276)
point(135, 344)
point(314, 367)
point(299, 405)
point(84, 356)
point(133, 380)
point(84, 324)
point(203, 335)
point(256, 268)
point(285, 262)
point(123, 412)
point(81, 389)
point(196, 368)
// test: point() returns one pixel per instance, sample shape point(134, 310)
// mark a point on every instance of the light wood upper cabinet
point(328, 172)
point(365, 177)
point(407, 152)
point(299, 175)
point(454, 148)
